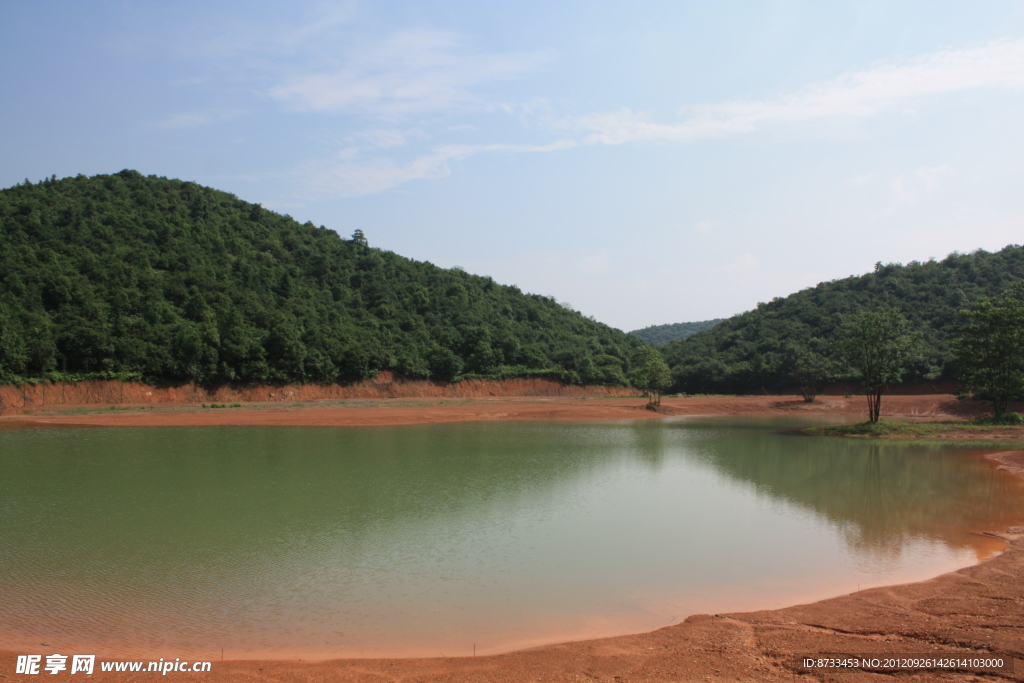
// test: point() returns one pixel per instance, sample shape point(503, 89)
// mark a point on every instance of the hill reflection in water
point(419, 540)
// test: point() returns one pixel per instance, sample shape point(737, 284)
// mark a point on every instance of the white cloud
point(196, 119)
point(746, 261)
point(911, 185)
point(333, 17)
point(419, 71)
point(415, 70)
point(707, 226)
point(857, 94)
point(384, 138)
point(351, 176)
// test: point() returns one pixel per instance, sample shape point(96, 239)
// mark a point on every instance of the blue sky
point(646, 162)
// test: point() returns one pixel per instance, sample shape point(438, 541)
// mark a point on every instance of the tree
point(879, 345)
point(990, 349)
point(650, 373)
point(810, 371)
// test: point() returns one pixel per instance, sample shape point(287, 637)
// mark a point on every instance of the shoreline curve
point(977, 610)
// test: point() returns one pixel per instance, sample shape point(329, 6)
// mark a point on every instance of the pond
point(428, 540)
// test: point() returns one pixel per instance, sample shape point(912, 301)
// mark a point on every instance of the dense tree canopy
point(760, 350)
point(126, 275)
point(659, 335)
point(990, 349)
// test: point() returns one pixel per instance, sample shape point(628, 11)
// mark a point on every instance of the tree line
point(659, 335)
point(790, 344)
point(988, 349)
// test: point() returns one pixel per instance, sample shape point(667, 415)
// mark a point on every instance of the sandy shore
point(976, 611)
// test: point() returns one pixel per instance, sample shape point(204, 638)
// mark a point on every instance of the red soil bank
point(384, 385)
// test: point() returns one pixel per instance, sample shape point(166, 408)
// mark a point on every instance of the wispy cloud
point(384, 138)
point(331, 18)
point(910, 186)
point(420, 71)
point(415, 70)
point(195, 119)
point(350, 175)
point(857, 94)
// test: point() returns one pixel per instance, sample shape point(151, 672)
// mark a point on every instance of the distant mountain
point(659, 335)
point(126, 275)
point(756, 351)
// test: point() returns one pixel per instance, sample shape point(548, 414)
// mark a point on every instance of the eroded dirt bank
point(384, 385)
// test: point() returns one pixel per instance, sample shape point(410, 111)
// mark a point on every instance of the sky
point(643, 162)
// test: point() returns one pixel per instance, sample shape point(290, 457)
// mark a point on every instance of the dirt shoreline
point(482, 406)
point(974, 611)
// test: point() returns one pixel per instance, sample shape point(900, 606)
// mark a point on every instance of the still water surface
point(422, 540)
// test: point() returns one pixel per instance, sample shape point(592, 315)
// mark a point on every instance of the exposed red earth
point(976, 612)
point(386, 400)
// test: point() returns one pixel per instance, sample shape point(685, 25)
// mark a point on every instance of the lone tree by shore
point(990, 349)
point(879, 345)
point(650, 373)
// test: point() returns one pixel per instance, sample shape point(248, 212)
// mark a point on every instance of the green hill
point(756, 351)
point(168, 281)
point(659, 335)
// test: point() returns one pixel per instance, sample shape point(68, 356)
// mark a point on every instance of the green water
point(316, 542)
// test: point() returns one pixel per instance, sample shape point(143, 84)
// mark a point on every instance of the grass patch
point(1004, 420)
point(885, 428)
point(86, 409)
point(918, 430)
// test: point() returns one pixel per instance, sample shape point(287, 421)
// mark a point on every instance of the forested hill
point(758, 350)
point(659, 335)
point(168, 281)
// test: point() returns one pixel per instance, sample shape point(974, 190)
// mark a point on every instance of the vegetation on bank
point(771, 347)
point(989, 352)
point(659, 335)
point(990, 349)
point(133, 277)
point(894, 429)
